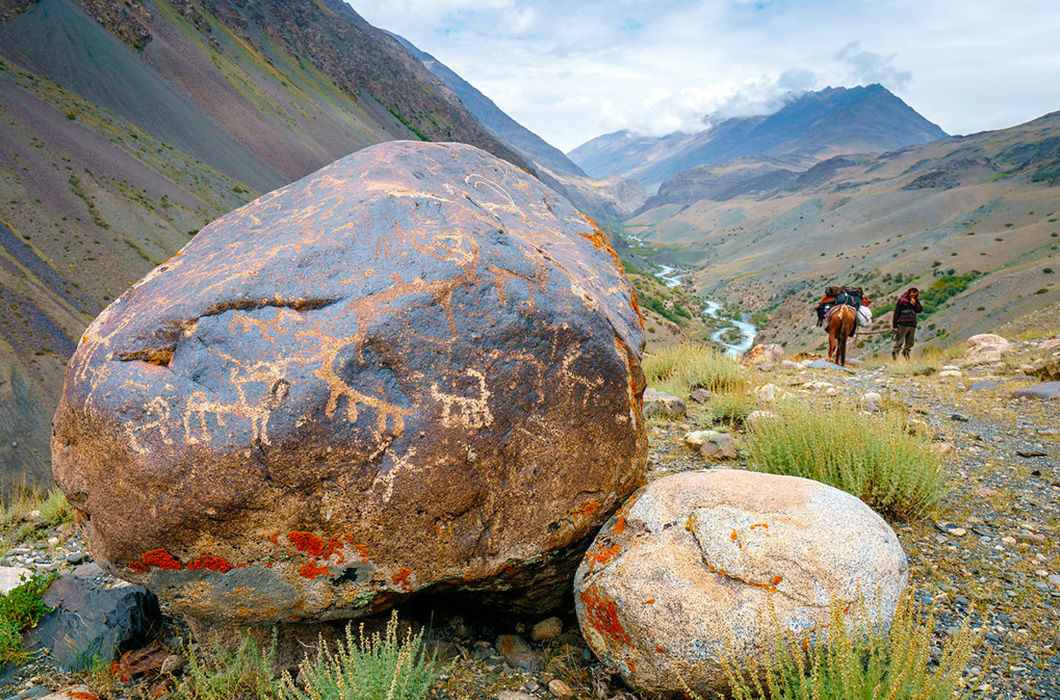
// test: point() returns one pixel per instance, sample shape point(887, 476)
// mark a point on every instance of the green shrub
point(56, 509)
point(732, 408)
point(876, 458)
point(371, 667)
point(221, 674)
point(681, 368)
point(894, 663)
point(20, 608)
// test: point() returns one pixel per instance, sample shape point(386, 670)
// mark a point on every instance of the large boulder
point(693, 565)
point(415, 369)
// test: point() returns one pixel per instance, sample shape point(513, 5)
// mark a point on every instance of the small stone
point(1055, 579)
point(53, 541)
point(950, 373)
point(75, 558)
point(659, 403)
point(767, 392)
point(518, 653)
point(756, 419)
point(514, 695)
point(696, 438)
point(560, 690)
point(719, 446)
point(941, 448)
point(700, 395)
point(547, 630)
point(172, 664)
point(870, 401)
point(960, 417)
point(1008, 540)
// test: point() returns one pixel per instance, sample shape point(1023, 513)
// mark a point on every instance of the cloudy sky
point(571, 70)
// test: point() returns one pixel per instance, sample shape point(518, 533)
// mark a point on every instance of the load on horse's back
point(835, 297)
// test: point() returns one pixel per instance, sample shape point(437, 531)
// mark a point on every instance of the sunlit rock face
point(415, 369)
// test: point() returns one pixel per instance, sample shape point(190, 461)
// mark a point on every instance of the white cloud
point(573, 70)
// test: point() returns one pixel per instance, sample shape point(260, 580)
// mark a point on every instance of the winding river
point(672, 277)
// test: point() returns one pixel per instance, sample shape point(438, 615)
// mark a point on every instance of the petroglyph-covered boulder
point(414, 369)
point(688, 567)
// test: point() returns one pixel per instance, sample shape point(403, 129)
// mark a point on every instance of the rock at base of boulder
point(659, 403)
point(92, 621)
point(696, 563)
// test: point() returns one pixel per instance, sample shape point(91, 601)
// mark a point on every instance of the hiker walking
point(903, 323)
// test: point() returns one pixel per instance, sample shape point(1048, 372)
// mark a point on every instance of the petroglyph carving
point(472, 412)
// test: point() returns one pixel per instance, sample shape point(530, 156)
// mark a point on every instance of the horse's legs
point(831, 346)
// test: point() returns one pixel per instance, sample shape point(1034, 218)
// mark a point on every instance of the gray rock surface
point(91, 622)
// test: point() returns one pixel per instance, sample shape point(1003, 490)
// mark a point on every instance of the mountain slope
point(530, 144)
point(810, 127)
point(977, 218)
point(128, 126)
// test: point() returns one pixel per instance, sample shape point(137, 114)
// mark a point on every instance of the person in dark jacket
point(903, 322)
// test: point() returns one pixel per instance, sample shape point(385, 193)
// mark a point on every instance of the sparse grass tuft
point(895, 663)
point(55, 509)
point(221, 674)
point(875, 458)
point(681, 368)
point(370, 667)
point(732, 408)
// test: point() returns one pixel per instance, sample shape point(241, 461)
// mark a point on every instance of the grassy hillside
point(127, 127)
point(974, 221)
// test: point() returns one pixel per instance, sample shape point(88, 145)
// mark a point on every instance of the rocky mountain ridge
point(808, 128)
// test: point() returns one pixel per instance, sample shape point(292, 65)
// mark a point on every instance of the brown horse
point(841, 324)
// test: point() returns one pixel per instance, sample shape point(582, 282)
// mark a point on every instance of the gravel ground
point(988, 552)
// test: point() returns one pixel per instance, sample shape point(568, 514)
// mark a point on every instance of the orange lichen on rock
point(211, 562)
point(161, 559)
point(587, 510)
point(311, 570)
point(602, 614)
point(401, 579)
point(602, 557)
point(139, 567)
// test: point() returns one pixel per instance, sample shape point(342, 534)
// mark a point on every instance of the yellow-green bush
point(679, 369)
point(875, 458)
point(863, 661)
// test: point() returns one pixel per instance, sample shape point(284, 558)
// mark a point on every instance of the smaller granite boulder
point(696, 563)
point(659, 403)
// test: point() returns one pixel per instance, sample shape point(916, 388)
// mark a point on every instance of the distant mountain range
point(808, 128)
